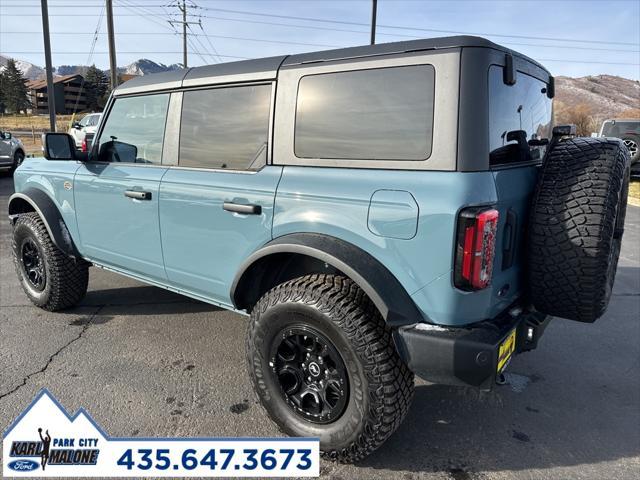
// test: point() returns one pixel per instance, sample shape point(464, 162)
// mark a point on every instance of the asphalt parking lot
point(146, 362)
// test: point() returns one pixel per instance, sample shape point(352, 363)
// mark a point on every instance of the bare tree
point(580, 115)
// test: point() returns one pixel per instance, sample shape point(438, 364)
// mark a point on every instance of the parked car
point(11, 151)
point(628, 130)
point(88, 124)
point(388, 210)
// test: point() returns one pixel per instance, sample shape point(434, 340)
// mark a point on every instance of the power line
point(311, 44)
point(344, 22)
point(213, 48)
point(31, 52)
point(89, 58)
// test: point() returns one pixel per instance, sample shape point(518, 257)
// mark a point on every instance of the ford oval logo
point(23, 465)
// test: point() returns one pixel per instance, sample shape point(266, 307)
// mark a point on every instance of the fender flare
point(380, 285)
point(48, 211)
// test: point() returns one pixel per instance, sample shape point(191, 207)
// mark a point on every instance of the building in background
point(69, 94)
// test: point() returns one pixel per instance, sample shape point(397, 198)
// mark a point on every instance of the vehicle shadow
point(135, 301)
point(573, 401)
point(460, 431)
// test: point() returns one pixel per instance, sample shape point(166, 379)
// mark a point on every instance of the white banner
point(45, 441)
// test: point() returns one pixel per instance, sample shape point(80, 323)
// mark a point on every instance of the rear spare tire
point(576, 226)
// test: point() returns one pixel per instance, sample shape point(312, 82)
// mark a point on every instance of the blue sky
point(575, 38)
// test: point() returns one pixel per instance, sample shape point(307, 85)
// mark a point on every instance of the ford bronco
point(378, 212)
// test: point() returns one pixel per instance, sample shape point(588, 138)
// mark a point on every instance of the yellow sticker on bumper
point(506, 351)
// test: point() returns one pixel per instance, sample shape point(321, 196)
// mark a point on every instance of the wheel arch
point(298, 254)
point(34, 200)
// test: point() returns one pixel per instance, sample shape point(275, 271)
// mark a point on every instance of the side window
point(517, 114)
point(84, 121)
point(225, 128)
point(377, 114)
point(134, 130)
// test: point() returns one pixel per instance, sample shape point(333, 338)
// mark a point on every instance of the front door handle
point(247, 209)
point(137, 194)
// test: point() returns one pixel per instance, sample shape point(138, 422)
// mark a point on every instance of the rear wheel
point(576, 227)
point(632, 146)
point(323, 363)
point(18, 157)
point(50, 279)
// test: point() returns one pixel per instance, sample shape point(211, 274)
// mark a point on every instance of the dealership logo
point(46, 440)
point(64, 451)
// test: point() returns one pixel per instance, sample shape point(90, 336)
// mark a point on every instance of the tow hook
point(501, 379)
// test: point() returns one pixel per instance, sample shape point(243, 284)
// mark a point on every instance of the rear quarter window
point(375, 114)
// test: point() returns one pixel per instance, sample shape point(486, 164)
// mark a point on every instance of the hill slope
point(605, 96)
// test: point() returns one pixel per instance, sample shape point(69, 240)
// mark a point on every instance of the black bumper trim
point(465, 356)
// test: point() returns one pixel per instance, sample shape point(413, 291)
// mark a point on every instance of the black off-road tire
point(18, 158)
point(380, 384)
point(65, 281)
point(576, 226)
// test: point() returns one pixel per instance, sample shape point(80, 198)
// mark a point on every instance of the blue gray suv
point(378, 212)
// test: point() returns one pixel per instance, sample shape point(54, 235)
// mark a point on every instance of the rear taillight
point(84, 145)
point(476, 246)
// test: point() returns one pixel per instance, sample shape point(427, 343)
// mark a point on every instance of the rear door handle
point(137, 194)
point(247, 209)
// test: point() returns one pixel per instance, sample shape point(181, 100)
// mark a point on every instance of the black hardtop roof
point(438, 43)
point(267, 68)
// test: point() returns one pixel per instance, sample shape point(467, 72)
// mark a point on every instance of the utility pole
point(374, 11)
point(183, 9)
point(113, 69)
point(184, 33)
point(51, 97)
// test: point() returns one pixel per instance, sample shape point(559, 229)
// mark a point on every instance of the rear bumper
point(466, 356)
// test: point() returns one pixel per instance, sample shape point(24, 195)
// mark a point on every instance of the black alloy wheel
point(33, 264)
point(311, 373)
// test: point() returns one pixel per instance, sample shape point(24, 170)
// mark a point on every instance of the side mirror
point(76, 125)
point(6, 136)
point(58, 146)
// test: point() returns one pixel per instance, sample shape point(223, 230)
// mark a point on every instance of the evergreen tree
point(2, 88)
point(96, 85)
point(13, 88)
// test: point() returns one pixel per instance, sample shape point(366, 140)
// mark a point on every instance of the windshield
point(518, 114)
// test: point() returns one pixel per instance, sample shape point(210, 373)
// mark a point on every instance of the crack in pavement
point(54, 355)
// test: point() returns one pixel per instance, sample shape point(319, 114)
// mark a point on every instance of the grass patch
point(38, 123)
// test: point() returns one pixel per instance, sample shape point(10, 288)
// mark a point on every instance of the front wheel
point(323, 363)
point(50, 279)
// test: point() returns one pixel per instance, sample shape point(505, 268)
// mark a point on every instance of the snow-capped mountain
point(29, 70)
point(144, 66)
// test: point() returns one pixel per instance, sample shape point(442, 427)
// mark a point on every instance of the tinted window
point(379, 114)
point(134, 130)
point(225, 127)
point(521, 110)
point(617, 128)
